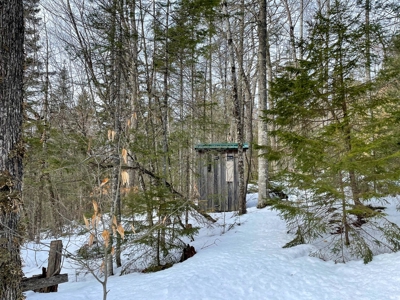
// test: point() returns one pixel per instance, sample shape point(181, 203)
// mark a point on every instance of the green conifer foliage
point(163, 236)
point(336, 144)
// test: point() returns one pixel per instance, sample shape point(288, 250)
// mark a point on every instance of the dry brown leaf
point(106, 237)
point(95, 207)
point(125, 190)
point(121, 231)
point(133, 229)
point(112, 250)
point(102, 266)
point(94, 221)
point(113, 227)
point(125, 178)
point(125, 155)
point(111, 135)
point(86, 222)
point(104, 181)
point(114, 220)
point(91, 239)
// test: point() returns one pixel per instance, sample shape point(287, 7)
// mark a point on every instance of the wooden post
point(54, 265)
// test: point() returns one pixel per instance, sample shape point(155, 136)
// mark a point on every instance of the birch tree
point(237, 109)
point(262, 105)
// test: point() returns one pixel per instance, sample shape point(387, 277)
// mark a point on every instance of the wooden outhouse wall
point(218, 180)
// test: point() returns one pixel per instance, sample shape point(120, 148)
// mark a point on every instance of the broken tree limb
point(138, 166)
point(159, 180)
point(205, 215)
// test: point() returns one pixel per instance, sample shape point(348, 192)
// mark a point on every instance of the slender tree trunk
point(344, 211)
point(164, 119)
point(54, 202)
point(149, 83)
point(46, 120)
point(368, 65)
point(246, 97)
point(130, 30)
point(347, 129)
point(115, 104)
point(367, 41)
point(262, 106)
point(210, 80)
point(292, 39)
point(11, 146)
point(301, 27)
point(237, 112)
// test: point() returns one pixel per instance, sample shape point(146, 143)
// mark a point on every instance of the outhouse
point(218, 176)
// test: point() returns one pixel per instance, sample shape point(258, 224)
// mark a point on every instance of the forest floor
point(242, 258)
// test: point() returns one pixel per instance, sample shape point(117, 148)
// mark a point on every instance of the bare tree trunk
point(46, 120)
point(237, 112)
point(262, 106)
point(367, 41)
point(11, 146)
point(368, 64)
point(347, 130)
point(133, 75)
point(292, 39)
point(302, 8)
point(54, 201)
point(115, 101)
point(344, 211)
point(149, 75)
point(246, 97)
point(165, 131)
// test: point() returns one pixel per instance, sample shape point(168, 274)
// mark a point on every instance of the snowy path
point(248, 263)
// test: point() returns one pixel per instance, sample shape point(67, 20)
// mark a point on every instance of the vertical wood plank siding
point(216, 194)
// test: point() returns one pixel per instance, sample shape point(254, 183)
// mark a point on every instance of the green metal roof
point(219, 146)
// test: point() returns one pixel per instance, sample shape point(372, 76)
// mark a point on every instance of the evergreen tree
point(33, 63)
point(338, 151)
point(33, 87)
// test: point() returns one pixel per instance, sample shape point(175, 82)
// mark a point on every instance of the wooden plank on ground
point(34, 283)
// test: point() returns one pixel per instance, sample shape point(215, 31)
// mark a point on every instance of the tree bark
point(237, 112)
point(11, 146)
point(293, 54)
point(262, 106)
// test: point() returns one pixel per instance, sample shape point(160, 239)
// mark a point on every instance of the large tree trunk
point(11, 146)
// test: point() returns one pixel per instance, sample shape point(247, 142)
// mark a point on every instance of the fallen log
point(34, 283)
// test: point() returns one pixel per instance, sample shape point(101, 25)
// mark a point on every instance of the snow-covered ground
point(245, 262)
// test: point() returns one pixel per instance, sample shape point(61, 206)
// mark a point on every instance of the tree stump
point(187, 252)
